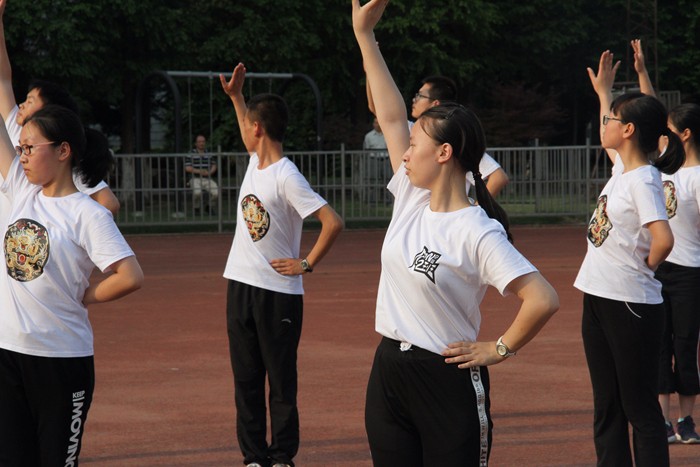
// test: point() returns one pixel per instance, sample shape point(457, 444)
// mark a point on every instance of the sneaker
point(686, 431)
point(670, 434)
point(253, 464)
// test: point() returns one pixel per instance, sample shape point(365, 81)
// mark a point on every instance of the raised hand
point(366, 17)
point(639, 64)
point(603, 81)
point(233, 87)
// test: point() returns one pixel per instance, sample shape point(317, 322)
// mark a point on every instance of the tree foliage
point(512, 60)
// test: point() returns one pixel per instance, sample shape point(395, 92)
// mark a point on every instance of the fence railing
point(154, 189)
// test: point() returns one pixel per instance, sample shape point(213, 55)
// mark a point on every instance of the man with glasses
point(436, 90)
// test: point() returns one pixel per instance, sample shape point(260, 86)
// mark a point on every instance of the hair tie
point(476, 174)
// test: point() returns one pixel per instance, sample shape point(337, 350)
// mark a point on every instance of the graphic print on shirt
point(26, 249)
point(600, 225)
point(426, 262)
point(671, 198)
point(256, 218)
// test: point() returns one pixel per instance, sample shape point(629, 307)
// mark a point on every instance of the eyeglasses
point(26, 149)
point(606, 119)
point(418, 95)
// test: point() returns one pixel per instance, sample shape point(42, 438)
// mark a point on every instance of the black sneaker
point(670, 434)
point(686, 431)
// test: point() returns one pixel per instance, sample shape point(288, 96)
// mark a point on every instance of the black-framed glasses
point(606, 119)
point(418, 95)
point(26, 149)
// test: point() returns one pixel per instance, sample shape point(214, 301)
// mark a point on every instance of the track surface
point(164, 392)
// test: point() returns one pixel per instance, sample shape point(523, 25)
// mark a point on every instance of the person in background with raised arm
point(39, 94)
point(264, 305)
point(623, 314)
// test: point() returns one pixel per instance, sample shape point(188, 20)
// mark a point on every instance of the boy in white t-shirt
point(264, 303)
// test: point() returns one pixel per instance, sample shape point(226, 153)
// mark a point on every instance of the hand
point(366, 17)
point(603, 81)
point(287, 266)
point(471, 354)
point(639, 64)
point(234, 86)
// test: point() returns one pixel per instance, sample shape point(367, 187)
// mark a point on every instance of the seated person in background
point(202, 166)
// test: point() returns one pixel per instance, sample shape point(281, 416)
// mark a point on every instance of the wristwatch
point(305, 266)
point(502, 349)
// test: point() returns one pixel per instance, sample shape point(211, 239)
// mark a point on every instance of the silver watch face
point(501, 350)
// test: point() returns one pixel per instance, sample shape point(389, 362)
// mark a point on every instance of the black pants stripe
point(43, 408)
point(264, 329)
point(421, 411)
point(622, 342)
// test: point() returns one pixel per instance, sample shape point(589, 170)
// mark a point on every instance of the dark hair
point(650, 121)
point(89, 148)
point(271, 112)
point(442, 88)
point(53, 94)
point(687, 116)
point(460, 127)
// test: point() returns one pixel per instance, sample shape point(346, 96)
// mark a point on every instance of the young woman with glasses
point(55, 238)
point(628, 237)
point(428, 393)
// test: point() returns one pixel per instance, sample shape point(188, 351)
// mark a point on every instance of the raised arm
point(234, 89)
point(640, 67)
point(602, 84)
point(389, 104)
point(7, 151)
point(7, 95)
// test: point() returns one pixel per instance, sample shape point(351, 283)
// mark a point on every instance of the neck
point(632, 157)
point(59, 187)
point(268, 152)
point(449, 192)
point(692, 158)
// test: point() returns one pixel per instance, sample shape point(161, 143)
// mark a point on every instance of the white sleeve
point(83, 188)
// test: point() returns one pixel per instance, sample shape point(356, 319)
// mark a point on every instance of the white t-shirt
point(436, 267)
point(682, 190)
point(50, 249)
point(272, 205)
point(14, 130)
point(618, 241)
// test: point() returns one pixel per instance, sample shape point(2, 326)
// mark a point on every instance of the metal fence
point(154, 189)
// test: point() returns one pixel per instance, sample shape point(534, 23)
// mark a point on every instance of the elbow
point(135, 280)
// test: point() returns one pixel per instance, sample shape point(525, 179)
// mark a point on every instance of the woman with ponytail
point(623, 313)
point(55, 238)
point(428, 393)
point(680, 279)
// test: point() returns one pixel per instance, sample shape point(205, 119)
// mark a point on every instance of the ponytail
point(489, 205)
point(673, 157)
point(96, 161)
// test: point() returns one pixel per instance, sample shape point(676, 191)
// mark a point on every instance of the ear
point(435, 103)
point(446, 153)
point(629, 130)
point(64, 151)
point(258, 130)
point(686, 135)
